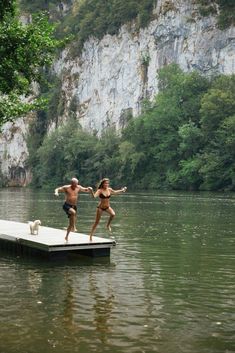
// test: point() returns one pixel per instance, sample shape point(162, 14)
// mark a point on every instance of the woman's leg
point(112, 215)
point(99, 212)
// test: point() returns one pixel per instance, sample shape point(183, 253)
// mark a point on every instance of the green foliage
point(226, 14)
point(23, 50)
point(95, 17)
point(12, 106)
point(7, 8)
point(218, 127)
point(185, 140)
point(70, 151)
point(98, 17)
point(191, 139)
point(217, 104)
point(38, 5)
point(207, 8)
point(145, 59)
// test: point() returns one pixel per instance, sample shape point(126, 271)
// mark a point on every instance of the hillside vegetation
point(98, 17)
point(184, 140)
point(93, 17)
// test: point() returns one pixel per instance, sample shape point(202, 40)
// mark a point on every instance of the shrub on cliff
point(226, 11)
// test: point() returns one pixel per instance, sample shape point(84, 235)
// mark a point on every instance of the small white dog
point(34, 227)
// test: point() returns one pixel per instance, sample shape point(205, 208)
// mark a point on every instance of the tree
point(218, 103)
point(218, 127)
point(24, 49)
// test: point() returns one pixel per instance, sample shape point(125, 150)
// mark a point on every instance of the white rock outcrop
point(14, 153)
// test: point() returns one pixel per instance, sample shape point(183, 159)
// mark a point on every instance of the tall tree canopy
point(24, 49)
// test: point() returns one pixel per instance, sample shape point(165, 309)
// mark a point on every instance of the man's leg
point(73, 220)
point(71, 226)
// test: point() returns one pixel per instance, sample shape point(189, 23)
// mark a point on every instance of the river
point(169, 286)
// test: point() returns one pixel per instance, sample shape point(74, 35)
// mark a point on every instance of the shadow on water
point(71, 261)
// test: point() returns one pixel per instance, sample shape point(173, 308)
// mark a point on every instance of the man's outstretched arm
point(88, 189)
point(59, 189)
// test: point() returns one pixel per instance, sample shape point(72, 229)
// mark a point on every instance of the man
point(70, 204)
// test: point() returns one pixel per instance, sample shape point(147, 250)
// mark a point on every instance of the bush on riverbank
point(184, 140)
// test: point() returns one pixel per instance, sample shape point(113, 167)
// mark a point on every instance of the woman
point(104, 192)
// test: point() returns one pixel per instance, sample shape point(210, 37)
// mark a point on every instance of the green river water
point(168, 286)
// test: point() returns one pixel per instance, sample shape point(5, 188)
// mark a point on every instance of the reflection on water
point(168, 287)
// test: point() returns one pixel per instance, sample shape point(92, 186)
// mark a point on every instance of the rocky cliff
point(107, 83)
point(14, 153)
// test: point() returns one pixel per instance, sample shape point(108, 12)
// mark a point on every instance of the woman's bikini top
point(102, 196)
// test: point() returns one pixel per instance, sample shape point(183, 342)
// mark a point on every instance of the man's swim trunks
point(67, 206)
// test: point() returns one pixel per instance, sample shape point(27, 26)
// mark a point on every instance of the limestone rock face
point(108, 82)
point(112, 77)
point(13, 154)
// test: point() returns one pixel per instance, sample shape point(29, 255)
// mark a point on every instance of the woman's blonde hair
point(101, 183)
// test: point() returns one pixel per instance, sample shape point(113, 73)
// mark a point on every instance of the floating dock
point(50, 242)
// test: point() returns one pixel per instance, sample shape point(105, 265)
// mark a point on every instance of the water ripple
point(169, 286)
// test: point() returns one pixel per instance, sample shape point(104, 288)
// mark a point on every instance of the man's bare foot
point(90, 238)
point(66, 239)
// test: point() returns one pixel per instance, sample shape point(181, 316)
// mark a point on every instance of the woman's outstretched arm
point(116, 192)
